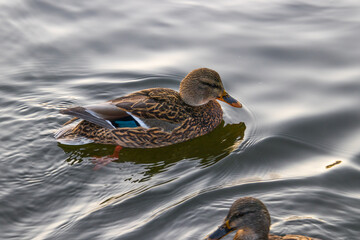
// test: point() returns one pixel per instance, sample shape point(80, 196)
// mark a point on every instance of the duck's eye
point(210, 84)
point(241, 214)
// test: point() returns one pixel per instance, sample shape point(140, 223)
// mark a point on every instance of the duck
point(251, 219)
point(153, 117)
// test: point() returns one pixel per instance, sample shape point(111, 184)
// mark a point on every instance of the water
point(294, 65)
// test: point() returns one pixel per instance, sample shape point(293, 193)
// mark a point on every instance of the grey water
point(295, 145)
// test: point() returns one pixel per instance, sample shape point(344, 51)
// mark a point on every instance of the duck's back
point(155, 103)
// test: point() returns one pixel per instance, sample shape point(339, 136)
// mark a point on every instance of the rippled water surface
point(295, 145)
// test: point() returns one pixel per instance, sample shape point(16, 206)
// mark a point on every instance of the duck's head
point(249, 217)
point(203, 85)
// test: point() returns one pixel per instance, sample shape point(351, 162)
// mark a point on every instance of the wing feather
point(87, 115)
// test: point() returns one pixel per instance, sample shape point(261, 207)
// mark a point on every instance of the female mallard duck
point(152, 117)
point(250, 217)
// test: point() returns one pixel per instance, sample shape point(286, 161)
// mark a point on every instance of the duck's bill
point(219, 233)
point(225, 97)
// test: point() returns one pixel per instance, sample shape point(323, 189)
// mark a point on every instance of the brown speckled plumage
point(160, 105)
point(289, 237)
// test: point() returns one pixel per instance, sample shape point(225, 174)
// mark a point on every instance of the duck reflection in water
point(251, 219)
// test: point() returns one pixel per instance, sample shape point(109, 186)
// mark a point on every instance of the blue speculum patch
point(125, 122)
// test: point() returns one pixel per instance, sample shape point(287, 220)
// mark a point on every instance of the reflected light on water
point(148, 62)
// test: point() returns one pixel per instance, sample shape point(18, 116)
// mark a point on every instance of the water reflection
point(207, 149)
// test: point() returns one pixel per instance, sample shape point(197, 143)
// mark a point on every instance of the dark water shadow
point(207, 149)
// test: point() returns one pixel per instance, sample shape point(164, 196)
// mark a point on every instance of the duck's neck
point(249, 234)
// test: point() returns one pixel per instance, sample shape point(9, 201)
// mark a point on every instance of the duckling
point(251, 219)
point(154, 117)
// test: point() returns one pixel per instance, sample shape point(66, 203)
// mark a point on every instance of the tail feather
point(66, 137)
point(63, 131)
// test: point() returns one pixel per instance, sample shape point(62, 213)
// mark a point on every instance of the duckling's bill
point(225, 97)
point(219, 233)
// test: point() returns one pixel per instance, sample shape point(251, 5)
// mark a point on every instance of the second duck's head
point(203, 85)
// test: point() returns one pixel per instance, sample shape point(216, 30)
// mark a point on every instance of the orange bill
point(225, 97)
